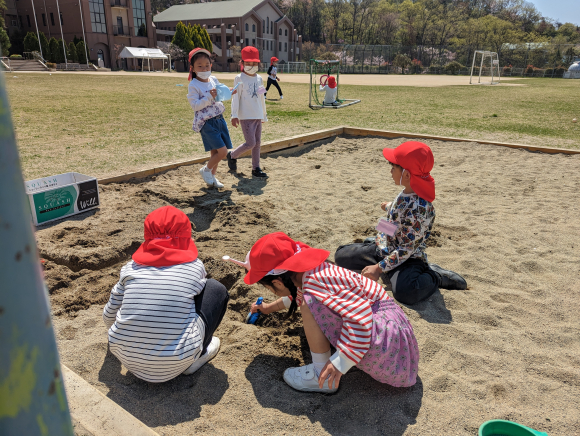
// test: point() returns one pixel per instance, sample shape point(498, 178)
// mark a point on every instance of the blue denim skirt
point(215, 134)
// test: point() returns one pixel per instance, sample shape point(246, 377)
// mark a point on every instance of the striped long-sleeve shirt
point(350, 295)
point(154, 329)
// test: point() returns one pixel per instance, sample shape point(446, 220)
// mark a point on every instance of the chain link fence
point(523, 60)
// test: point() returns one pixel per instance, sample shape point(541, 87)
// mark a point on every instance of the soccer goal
point(489, 62)
point(320, 71)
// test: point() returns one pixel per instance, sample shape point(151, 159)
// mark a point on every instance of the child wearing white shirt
point(331, 91)
point(249, 111)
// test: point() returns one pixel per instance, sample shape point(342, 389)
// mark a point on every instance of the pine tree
point(53, 48)
point(31, 42)
point(196, 37)
point(59, 57)
point(207, 39)
point(182, 39)
point(44, 45)
point(72, 52)
point(81, 54)
point(4, 42)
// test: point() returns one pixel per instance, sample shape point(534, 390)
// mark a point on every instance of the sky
point(564, 11)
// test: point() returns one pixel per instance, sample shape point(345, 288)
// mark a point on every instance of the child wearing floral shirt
point(399, 249)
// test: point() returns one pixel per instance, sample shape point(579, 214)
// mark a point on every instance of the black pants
point(211, 305)
point(412, 281)
point(275, 83)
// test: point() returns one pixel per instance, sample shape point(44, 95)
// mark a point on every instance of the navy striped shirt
point(154, 329)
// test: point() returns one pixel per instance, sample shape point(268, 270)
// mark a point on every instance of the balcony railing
point(122, 31)
point(119, 3)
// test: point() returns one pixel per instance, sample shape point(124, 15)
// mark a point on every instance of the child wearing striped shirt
point(339, 307)
point(163, 312)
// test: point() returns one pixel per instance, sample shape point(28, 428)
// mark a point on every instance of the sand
point(506, 348)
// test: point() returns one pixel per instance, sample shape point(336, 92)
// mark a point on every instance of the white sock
point(319, 360)
point(205, 168)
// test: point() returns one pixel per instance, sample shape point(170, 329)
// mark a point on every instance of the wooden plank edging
point(297, 140)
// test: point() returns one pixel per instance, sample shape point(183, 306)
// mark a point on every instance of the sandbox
point(506, 348)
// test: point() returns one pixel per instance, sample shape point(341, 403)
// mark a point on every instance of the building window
point(247, 42)
point(139, 18)
point(20, 18)
point(253, 27)
point(285, 46)
point(28, 19)
point(254, 42)
point(97, 9)
point(52, 18)
point(43, 19)
point(272, 27)
point(263, 26)
point(280, 32)
point(285, 32)
point(247, 27)
point(61, 23)
point(267, 24)
point(279, 46)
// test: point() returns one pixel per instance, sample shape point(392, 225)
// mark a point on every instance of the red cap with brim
point(331, 82)
point(416, 158)
point(250, 54)
point(192, 53)
point(273, 59)
point(278, 251)
point(167, 239)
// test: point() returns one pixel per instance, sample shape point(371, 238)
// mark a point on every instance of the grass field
point(108, 125)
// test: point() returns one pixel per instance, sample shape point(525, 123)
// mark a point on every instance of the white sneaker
point(210, 353)
point(217, 183)
point(304, 378)
point(207, 175)
point(281, 97)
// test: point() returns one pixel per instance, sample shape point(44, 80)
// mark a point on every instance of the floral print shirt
point(202, 102)
point(414, 217)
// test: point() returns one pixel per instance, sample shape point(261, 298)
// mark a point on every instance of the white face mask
point(401, 180)
point(251, 70)
point(203, 74)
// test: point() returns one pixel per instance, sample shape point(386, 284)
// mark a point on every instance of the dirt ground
point(506, 348)
point(414, 80)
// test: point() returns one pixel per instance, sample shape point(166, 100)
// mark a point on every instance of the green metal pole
point(32, 396)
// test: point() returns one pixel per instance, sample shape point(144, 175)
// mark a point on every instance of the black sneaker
point(232, 163)
point(259, 173)
point(449, 279)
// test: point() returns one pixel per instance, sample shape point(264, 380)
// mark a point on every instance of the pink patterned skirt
point(393, 356)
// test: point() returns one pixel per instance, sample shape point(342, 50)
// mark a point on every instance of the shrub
point(51, 65)
point(559, 71)
point(453, 67)
point(416, 66)
point(15, 56)
point(53, 49)
point(530, 69)
point(72, 53)
point(506, 70)
point(31, 42)
point(81, 53)
point(402, 61)
point(59, 54)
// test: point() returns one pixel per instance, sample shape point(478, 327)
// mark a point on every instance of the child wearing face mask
point(208, 119)
point(249, 110)
point(399, 247)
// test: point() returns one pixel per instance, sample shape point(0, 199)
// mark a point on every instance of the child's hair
point(395, 165)
point(193, 59)
point(286, 280)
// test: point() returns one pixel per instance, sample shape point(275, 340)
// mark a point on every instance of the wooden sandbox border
point(299, 140)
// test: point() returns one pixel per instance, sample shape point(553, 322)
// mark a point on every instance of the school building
point(108, 25)
point(258, 23)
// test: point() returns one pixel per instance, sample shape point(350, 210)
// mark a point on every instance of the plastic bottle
point(253, 317)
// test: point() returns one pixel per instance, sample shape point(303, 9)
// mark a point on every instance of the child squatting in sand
point(339, 307)
point(399, 250)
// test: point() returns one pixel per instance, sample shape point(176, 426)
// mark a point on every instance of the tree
point(4, 42)
point(81, 53)
point(402, 61)
point(59, 57)
point(181, 38)
point(72, 52)
point(207, 39)
point(44, 45)
point(53, 49)
point(31, 42)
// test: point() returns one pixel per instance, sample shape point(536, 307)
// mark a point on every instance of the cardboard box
point(56, 197)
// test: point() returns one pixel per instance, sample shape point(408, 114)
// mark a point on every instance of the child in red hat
point(273, 78)
point(339, 307)
point(399, 248)
point(249, 110)
point(163, 312)
point(331, 91)
point(208, 119)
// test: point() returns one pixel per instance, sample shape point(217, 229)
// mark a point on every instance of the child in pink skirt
point(339, 307)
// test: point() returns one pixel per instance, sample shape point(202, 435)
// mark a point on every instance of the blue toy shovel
point(253, 317)
point(223, 92)
point(499, 427)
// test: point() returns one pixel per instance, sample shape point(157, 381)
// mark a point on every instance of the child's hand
point(385, 205)
point(255, 308)
point(277, 78)
point(234, 91)
point(213, 92)
point(235, 122)
point(332, 373)
point(372, 272)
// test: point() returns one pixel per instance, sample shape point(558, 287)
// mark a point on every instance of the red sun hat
point(331, 82)
point(279, 251)
point(417, 158)
point(192, 53)
point(273, 59)
point(250, 54)
point(167, 239)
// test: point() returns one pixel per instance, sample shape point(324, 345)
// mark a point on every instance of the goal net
point(320, 71)
point(485, 64)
